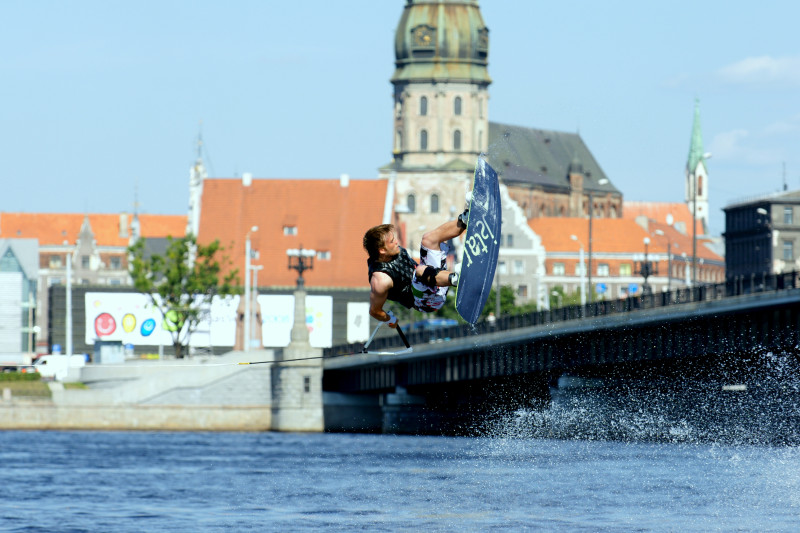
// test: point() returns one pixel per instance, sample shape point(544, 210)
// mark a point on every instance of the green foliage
point(508, 304)
point(185, 279)
point(19, 376)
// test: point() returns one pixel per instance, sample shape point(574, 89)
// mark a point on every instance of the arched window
point(700, 186)
point(457, 140)
point(411, 203)
point(398, 142)
point(423, 140)
point(423, 106)
point(434, 203)
point(457, 105)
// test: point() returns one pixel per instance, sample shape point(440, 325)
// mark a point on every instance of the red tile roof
point(660, 212)
point(614, 235)
point(55, 228)
point(327, 216)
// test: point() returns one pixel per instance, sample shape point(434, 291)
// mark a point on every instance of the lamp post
point(669, 258)
point(247, 253)
point(301, 260)
point(583, 271)
point(558, 296)
point(602, 181)
point(646, 268)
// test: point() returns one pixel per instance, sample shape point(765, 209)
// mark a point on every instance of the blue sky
point(103, 101)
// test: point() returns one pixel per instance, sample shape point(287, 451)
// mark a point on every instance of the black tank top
point(400, 269)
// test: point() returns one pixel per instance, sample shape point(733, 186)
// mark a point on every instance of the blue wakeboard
point(482, 244)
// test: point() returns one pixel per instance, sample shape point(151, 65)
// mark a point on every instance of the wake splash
point(762, 410)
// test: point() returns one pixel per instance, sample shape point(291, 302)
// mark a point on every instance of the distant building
point(18, 294)
point(96, 245)
point(619, 248)
point(762, 235)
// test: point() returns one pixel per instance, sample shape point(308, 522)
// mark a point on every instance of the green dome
point(441, 41)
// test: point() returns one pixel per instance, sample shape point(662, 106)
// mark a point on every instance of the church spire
point(696, 144)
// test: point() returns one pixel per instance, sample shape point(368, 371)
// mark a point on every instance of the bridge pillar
point(297, 379)
point(404, 413)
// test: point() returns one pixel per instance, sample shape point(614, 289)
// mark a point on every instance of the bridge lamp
point(300, 260)
point(247, 318)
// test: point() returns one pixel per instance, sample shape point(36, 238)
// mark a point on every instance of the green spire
point(696, 146)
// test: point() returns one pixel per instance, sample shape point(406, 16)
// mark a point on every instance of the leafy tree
point(508, 304)
point(181, 282)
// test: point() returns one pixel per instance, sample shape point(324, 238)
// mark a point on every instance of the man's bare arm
point(379, 292)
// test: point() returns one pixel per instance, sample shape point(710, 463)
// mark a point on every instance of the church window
point(434, 203)
point(423, 106)
point(398, 140)
point(411, 203)
point(457, 106)
point(423, 140)
point(699, 185)
point(457, 140)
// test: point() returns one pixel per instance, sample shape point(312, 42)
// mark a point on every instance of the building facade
point(763, 235)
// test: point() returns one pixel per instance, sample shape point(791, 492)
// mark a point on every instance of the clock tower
point(441, 108)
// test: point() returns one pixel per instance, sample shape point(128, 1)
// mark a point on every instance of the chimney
point(344, 180)
point(123, 225)
point(247, 179)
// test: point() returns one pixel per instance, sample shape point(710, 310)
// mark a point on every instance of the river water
point(199, 482)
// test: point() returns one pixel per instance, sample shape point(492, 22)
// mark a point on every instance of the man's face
point(390, 245)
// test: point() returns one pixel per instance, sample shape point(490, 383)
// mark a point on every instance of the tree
point(181, 282)
point(508, 304)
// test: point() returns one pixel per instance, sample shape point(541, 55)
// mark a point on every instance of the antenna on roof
point(785, 186)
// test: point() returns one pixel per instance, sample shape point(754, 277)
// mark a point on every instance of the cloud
point(740, 146)
point(765, 70)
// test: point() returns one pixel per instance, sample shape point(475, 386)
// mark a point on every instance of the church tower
point(697, 174)
point(441, 109)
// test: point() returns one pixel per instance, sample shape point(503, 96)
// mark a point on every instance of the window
point(457, 106)
point(84, 261)
point(788, 250)
point(510, 240)
point(788, 215)
point(457, 140)
point(306, 384)
point(115, 281)
point(423, 140)
point(324, 255)
point(501, 267)
point(519, 266)
point(522, 291)
point(602, 269)
point(423, 106)
point(558, 269)
point(116, 263)
point(399, 140)
point(411, 203)
point(434, 203)
point(625, 269)
point(55, 261)
point(290, 230)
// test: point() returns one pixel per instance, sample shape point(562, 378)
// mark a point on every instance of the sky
point(102, 103)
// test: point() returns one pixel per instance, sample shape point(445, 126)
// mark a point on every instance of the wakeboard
point(481, 245)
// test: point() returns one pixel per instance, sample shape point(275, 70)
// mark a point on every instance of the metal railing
point(738, 286)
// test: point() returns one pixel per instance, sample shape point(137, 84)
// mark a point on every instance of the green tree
point(508, 304)
point(181, 282)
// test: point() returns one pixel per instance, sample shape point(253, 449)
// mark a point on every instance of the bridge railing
point(735, 286)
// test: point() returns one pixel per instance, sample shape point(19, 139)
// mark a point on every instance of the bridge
point(716, 337)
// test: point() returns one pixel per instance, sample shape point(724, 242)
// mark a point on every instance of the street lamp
point(601, 181)
point(247, 253)
point(646, 268)
point(669, 258)
point(557, 295)
point(301, 260)
point(583, 271)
